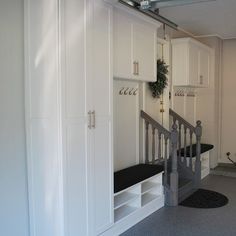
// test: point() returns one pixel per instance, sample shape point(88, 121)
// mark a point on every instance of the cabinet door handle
point(89, 120)
point(93, 119)
point(137, 68)
point(201, 79)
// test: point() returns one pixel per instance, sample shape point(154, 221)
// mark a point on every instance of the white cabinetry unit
point(190, 63)
point(69, 116)
point(134, 47)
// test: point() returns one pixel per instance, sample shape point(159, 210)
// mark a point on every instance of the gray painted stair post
point(174, 171)
point(198, 131)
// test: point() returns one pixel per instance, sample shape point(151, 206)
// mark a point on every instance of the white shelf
point(148, 197)
point(123, 211)
point(131, 200)
point(147, 186)
point(123, 198)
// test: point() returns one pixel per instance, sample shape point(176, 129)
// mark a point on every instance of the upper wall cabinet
point(134, 47)
point(190, 63)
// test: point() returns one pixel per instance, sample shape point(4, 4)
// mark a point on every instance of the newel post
point(198, 131)
point(174, 169)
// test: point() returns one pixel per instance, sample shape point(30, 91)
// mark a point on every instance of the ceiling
point(207, 18)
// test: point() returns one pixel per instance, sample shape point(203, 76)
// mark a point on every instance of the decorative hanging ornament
point(157, 87)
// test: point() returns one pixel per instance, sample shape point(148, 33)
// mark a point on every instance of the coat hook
point(130, 91)
point(121, 91)
point(135, 92)
point(126, 91)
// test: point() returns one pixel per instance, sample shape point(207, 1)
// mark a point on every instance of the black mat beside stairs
point(203, 198)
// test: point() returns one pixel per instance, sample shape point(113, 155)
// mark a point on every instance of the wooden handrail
point(181, 120)
point(155, 124)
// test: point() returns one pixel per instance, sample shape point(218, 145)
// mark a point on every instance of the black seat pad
point(133, 175)
point(204, 148)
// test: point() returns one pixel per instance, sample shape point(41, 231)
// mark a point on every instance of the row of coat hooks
point(185, 92)
point(128, 91)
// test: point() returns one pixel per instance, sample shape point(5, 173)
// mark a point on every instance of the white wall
point(126, 124)
point(13, 183)
point(228, 100)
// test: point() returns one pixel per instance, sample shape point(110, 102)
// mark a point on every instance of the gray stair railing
point(158, 132)
point(190, 132)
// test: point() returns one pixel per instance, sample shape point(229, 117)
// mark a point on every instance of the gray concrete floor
point(225, 170)
point(183, 221)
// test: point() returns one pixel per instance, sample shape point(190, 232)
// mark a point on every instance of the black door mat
point(203, 198)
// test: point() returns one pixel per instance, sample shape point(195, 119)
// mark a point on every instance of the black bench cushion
point(204, 148)
point(133, 175)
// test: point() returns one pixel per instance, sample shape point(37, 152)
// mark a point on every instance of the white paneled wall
point(126, 123)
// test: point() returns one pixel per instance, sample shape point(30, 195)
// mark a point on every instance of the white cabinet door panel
point(101, 86)
point(76, 104)
point(204, 67)
point(101, 81)
point(103, 176)
point(123, 51)
point(193, 64)
point(144, 51)
point(75, 192)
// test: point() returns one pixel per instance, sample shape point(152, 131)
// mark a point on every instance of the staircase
point(182, 176)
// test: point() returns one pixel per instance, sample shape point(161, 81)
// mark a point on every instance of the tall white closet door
point(101, 86)
point(75, 108)
point(42, 96)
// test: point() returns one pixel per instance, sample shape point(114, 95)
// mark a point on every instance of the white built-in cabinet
point(135, 43)
point(69, 116)
point(190, 63)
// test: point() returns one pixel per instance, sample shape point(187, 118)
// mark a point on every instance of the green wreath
point(161, 83)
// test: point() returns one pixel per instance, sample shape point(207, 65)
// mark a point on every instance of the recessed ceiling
point(206, 18)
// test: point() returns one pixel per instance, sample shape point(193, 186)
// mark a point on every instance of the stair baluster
point(174, 170)
point(159, 146)
point(191, 150)
point(165, 161)
point(198, 154)
point(153, 145)
point(146, 142)
point(185, 145)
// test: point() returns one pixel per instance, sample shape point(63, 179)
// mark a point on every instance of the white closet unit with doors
point(190, 63)
point(69, 116)
point(134, 46)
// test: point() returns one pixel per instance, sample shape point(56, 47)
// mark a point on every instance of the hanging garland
point(158, 87)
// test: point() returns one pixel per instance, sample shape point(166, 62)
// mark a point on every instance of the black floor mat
point(203, 198)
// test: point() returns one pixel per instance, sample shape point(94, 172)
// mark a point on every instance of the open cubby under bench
point(135, 187)
point(205, 157)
